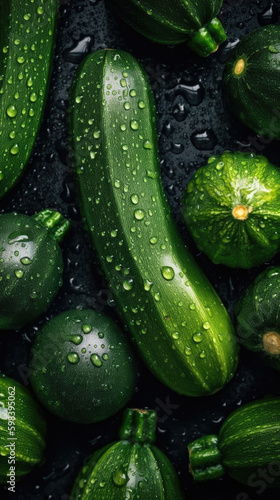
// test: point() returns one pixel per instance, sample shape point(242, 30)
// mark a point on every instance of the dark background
point(193, 123)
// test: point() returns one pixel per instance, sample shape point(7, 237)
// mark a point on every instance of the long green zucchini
point(27, 33)
point(182, 330)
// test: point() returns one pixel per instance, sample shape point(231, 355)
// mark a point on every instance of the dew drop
point(14, 149)
point(19, 273)
point(139, 214)
point(167, 273)
point(96, 360)
point(73, 358)
point(128, 284)
point(135, 199)
point(197, 337)
point(119, 477)
point(76, 339)
point(134, 125)
point(25, 261)
point(87, 328)
point(11, 111)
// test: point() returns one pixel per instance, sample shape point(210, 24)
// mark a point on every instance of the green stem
point(207, 39)
point(205, 459)
point(139, 426)
point(54, 222)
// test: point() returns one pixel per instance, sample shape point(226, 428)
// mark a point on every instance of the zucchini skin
point(31, 265)
point(167, 22)
point(180, 327)
point(132, 467)
point(246, 448)
point(30, 429)
point(82, 367)
point(257, 316)
point(254, 92)
point(27, 36)
point(237, 195)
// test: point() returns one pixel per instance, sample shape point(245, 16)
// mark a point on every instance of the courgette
point(181, 329)
point(23, 432)
point(247, 447)
point(252, 81)
point(176, 21)
point(257, 315)
point(31, 265)
point(132, 467)
point(27, 35)
point(82, 367)
point(232, 209)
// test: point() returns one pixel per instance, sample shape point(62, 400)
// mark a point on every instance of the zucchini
point(132, 467)
point(258, 317)
point(31, 265)
point(23, 432)
point(247, 447)
point(232, 209)
point(181, 329)
point(27, 34)
point(190, 21)
point(251, 81)
point(82, 368)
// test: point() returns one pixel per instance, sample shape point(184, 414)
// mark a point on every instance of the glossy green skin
point(249, 440)
point(258, 312)
point(227, 181)
point(181, 329)
point(82, 366)
point(31, 267)
point(130, 468)
point(175, 22)
point(254, 95)
point(27, 33)
point(247, 447)
point(30, 429)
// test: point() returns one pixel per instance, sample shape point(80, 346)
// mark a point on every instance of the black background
point(193, 122)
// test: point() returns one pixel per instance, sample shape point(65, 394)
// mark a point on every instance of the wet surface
point(194, 122)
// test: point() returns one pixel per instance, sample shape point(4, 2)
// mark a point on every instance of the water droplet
point(73, 358)
point(135, 199)
point(33, 294)
point(167, 273)
point(128, 284)
point(148, 145)
point(202, 355)
point(192, 307)
point(197, 337)
point(119, 477)
point(33, 97)
point(19, 273)
point(188, 351)
point(147, 285)
point(20, 59)
point(25, 261)
point(127, 105)
point(206, 325)
point(204, 140)
point(141, 104)
point(76, 339)
point(134, 125)
point(96, 360)
point(96, 134)
point(78, 50)
point(14, 149)
point(175, 335)
point(153, 240)
point(139, 214)
point(11, 111)
point(87, 328)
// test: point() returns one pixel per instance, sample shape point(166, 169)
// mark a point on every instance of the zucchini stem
point(139, 426)
point(207, 39)
point(240, 212)
point(54, 222)
point(271, 343)
point(205, 459)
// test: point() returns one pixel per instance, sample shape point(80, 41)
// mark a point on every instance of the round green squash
point(82, 367)
point(258, 317)
point(232, 209)
point(31, 265)
point(247, 447)
point(175, 22)
point(252, 81)
point(130, 468)
point(23, 432)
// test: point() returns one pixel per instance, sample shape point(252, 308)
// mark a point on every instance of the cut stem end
point(271, 343)
point(240, 212)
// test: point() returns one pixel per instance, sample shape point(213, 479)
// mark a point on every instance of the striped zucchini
point(23, 431)
point(27, 33)
point(182, 330)
point(247, 447)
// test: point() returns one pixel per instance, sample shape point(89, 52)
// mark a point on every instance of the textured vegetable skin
point(257, 317)
point(247, 447)
point(82, 367)
point(31, 265)
point(232, 209)
point(175, 22)
point(27, 36)
point(181, 329)
point(130, 468)
point(252, 81)
point(30, 430)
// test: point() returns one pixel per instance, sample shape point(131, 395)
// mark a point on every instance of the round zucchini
point(130, 468)
point(252, 81)
point(31, 265)
point(23, 432)
point(232, 209)
point(176, 22)
point(82, 368)
point(247, 447)
point(179, 324)
point(258, 317)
